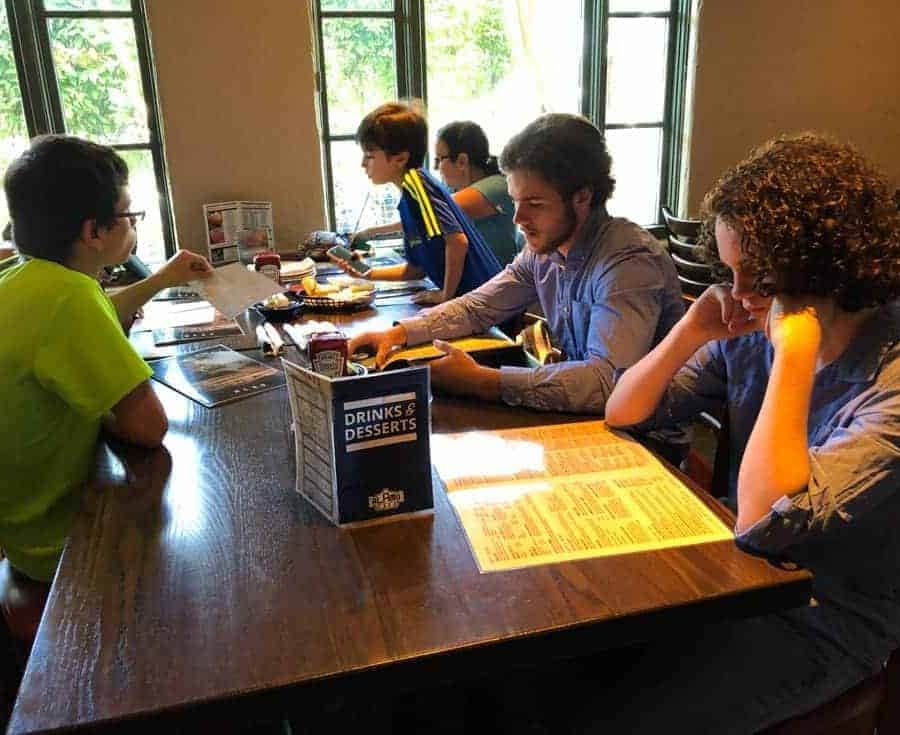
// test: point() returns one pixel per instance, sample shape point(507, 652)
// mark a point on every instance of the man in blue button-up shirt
point(608, 289)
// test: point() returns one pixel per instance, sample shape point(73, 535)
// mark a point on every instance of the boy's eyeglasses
point(135, 217)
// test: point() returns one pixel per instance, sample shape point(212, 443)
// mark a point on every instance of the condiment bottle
point(328, 353)
point(269, 264)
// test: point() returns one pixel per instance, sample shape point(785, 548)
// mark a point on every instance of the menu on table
point(196, 333)
point(170, 314)
point(548, 494)
point(216, 375)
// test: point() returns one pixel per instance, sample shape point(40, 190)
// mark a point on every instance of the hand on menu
point(182, 267)
point(381, 343)
point(458, 373)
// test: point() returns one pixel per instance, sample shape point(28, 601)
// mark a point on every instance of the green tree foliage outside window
point(89, 77)
point(477, 53)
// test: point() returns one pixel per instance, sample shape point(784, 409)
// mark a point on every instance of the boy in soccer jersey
point(439, 240)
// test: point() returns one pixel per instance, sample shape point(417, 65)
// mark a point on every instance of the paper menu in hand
point(232, 288)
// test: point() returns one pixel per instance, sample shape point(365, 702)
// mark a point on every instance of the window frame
point(409, 30)
point(41, 101)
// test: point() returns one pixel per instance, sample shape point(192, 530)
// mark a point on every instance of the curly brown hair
point(815, 217)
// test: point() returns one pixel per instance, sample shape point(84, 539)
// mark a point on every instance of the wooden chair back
point(686, 229)
point(694, 274)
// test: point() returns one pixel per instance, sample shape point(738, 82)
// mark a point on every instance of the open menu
point(216, 375)
point(556, 493)
point(491, 348)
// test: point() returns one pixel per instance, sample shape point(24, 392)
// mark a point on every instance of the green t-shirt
point(64, 362)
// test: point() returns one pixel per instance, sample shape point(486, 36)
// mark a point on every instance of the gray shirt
point(607, 303)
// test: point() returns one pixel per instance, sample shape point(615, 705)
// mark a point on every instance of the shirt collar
point(866, 352)
point(591, 233)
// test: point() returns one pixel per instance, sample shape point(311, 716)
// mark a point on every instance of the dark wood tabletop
point(196, 578)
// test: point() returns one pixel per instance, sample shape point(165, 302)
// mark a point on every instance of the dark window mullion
point(638, 14)
point(29, 63)
point(322, 91)
point(676, 79)
point(154, 120)
point(99, 14)
point(409, 45)
point(388, 14)
point(48, 70)
point(593, 63)
point(636, 126)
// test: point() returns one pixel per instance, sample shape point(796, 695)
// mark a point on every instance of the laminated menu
point(562, 492)
point(216, 375)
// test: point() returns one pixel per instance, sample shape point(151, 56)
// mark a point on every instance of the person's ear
point(462, 160)
point(88, 230)
point(400, 160)
point(89, 234)
point(581, 199)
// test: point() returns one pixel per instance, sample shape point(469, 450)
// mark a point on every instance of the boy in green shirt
point(66, 365)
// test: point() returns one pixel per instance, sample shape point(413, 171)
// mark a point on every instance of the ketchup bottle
point(269, 264)
point(328, 353)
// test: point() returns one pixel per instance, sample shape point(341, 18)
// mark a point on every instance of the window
point(501, 63)
point(83, 67)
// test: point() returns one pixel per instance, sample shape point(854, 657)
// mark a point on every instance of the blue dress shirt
point(607, 303)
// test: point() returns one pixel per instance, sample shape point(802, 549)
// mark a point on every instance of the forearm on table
point(776, 459)
point(468, 314)
point(642, 386)
point(484, 385)
point(574, 387)
point(400, 272)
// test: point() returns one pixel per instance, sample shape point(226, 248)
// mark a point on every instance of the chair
point(694, 273)
point(686, 229)
point(707, 459)
point(22, 603)
point(871, 706)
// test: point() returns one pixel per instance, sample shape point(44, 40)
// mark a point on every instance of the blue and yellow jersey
point(428, 214)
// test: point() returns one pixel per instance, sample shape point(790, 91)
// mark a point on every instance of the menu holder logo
point(386, 500)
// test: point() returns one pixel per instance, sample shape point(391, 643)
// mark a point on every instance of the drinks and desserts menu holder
point(216, 375)
point(362, 443)
point(562, 492)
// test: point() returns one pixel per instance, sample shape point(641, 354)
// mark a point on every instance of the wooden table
point(196, 581)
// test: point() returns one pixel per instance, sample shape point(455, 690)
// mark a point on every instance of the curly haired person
point(802, 349)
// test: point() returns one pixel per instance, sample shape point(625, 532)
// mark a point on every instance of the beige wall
point(771, 66)
point(237, 95)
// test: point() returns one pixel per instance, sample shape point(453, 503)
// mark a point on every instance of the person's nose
point(519, 215)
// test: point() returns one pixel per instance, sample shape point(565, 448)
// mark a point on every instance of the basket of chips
point(341, 294)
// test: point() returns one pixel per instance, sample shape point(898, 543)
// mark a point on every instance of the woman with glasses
point(463, 159)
